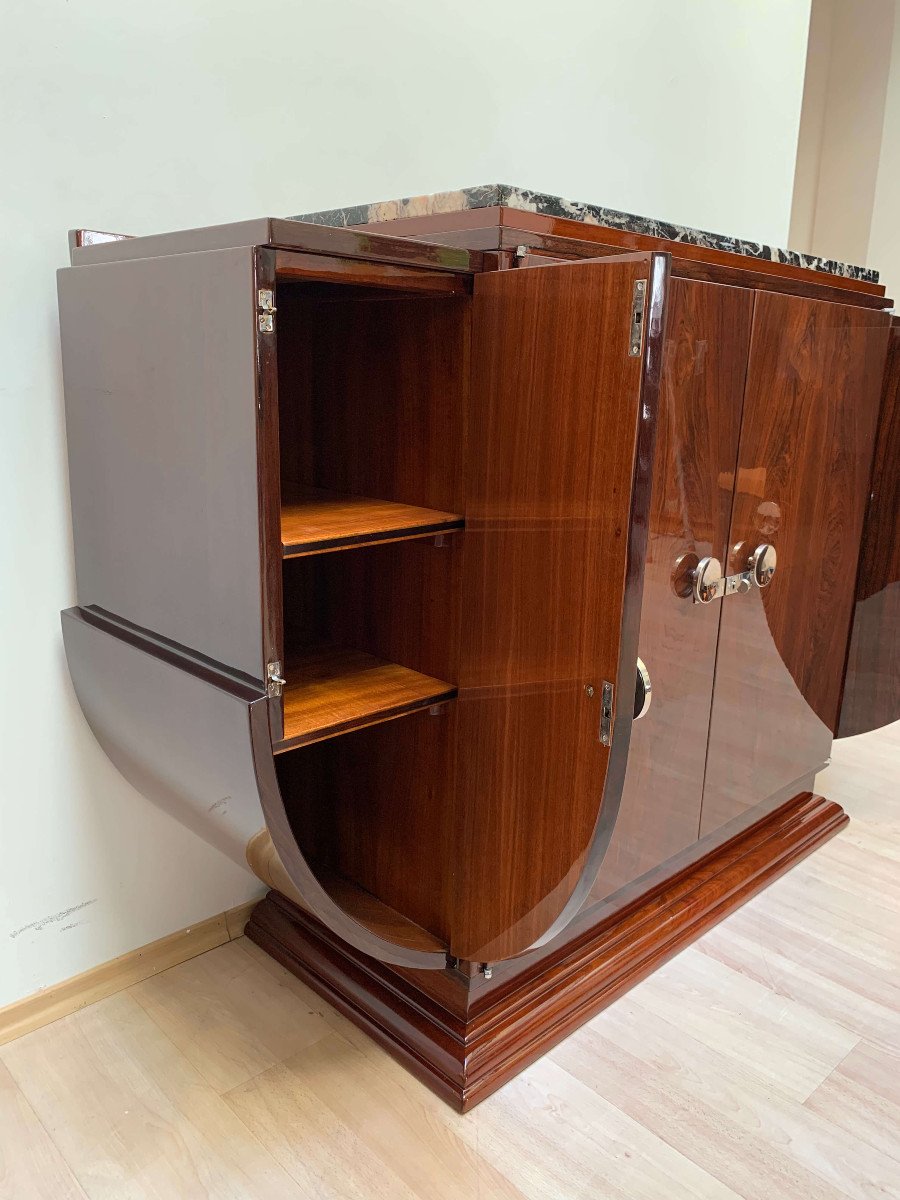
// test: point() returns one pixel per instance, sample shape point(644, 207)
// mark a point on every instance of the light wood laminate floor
point(764, 1061)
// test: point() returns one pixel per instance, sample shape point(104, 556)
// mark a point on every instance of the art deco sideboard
point(488, 586)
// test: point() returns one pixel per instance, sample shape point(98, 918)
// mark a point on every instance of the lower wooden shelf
point(330, 691)
point(383, 920)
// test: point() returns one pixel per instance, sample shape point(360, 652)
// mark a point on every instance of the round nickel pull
point(642, 690)
point(762, 563)
point(707, 580)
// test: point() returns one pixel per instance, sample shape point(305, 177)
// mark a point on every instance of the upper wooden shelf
point(314, 521)
point(331, 691)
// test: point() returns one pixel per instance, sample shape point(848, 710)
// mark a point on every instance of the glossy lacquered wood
point(810, 407)
point(552, 463)
point(872, 684)
point(331, 690)
point(496, 1030)
point(314, 521)
point(701, 394)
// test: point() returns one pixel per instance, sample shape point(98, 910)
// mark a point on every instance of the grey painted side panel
point(159, 364)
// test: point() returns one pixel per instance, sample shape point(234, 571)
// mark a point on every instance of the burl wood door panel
point(559, 457)
point(872, 686)
point(810, 407)
point(701, 393)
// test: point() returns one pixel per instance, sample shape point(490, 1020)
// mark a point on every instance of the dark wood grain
point(331, 690)
point(810, 408)
point(704, 367)
point(464, 1038)
point(314, 521)
point(872, 684)
point(552, 451)
point(372, 395)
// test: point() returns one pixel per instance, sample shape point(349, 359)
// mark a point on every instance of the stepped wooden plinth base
point(465, 1037)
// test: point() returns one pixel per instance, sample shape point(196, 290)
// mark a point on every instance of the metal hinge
point(606, 713)
point(265, 303)
point(274, 681)
point(636, 328)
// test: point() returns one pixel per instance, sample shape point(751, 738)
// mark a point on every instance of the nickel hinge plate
point(265, 303)
point(636, 328)
point(274, 680)
point(606, 713)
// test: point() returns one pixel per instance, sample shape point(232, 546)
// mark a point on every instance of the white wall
point(884, 239)
point(145, 117)
point(841, 128)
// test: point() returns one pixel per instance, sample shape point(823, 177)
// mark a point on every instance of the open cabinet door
point(565, 376)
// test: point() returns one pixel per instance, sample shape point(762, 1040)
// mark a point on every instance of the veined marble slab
point(489, 195)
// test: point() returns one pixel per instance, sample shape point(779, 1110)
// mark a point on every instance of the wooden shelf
point(314, 521)
point(332, 691)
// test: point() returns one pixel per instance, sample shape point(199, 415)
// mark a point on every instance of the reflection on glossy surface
point(696, 450)
point(810, 404)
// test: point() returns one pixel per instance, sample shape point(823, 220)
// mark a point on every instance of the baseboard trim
point(60, 999)
point(465, 1058)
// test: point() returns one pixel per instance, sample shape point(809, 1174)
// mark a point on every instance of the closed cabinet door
point(566, 362)
point(701, 394)
point(807, 437)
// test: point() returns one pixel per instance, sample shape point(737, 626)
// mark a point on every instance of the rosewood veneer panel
point(810, 407)
point(553, 438)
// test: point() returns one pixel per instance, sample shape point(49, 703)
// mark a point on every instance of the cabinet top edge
point(526, 200)
point(89, 247)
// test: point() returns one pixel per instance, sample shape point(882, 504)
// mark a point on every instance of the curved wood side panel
point(872, 684)
point(560, 455)
point(807, 436)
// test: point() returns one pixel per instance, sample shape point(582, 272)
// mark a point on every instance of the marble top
point(489, 195)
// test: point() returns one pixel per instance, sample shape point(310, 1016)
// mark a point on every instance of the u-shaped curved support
point(194, 739)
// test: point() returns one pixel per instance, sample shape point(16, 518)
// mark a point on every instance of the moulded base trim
point(465, 1058)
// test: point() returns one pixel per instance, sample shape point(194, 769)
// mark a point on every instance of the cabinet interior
point(371, 395)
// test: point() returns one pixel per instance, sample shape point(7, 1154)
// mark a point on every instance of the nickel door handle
point(709, 582)
point(762, 563)
point(643, 690)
